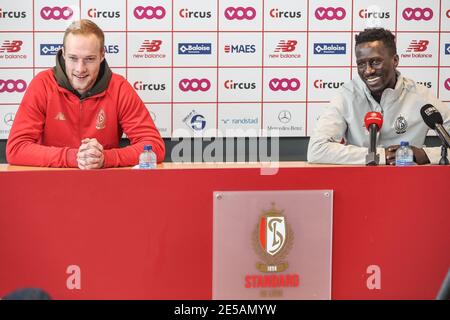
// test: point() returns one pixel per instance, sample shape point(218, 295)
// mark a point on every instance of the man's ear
point(396, 59)
point(102, 55)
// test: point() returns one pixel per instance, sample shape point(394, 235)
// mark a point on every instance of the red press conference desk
point(148, 234)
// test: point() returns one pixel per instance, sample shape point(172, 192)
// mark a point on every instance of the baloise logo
point(149, 12)
point(284, 84)
point(240, 13)
point(417, 14)
point(12, 85)
point(50, 49)
point(194, 85)
point(56, 13)
point(330, 13)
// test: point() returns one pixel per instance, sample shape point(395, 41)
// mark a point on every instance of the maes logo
point(240, 48)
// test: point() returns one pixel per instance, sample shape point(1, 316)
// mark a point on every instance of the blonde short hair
point(85, 27)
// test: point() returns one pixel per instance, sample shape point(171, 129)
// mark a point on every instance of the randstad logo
point(330, 13)
point(320, 84)
point(12, 14)
point(284, 84)
point(240, 48)
point(188, 14)
point(240, 13)
point(241, 121)
point(194, 48)
point(56, 13)
point(11, 85)
point(330, 48)
point(194, 85)
point(94, 13)
point(366, 14)
point(149, 12)
point(281, 14)
point(139, 86)
point(417, 14)
point(50, 49)
point(231, 85)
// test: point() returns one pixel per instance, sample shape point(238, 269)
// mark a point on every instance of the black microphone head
point(431, 116)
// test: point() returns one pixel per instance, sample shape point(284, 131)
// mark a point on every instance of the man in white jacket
point(340, 136)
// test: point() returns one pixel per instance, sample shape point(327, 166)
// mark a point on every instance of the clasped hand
point(90, 154)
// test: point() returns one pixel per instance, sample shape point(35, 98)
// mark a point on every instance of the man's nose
point(368, 69)
point(81, 65)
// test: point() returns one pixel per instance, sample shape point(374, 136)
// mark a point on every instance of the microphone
point(373, 122)
point(433, 119)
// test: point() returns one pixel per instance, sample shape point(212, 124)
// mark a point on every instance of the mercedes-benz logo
point(9, 118)
point(284, 116)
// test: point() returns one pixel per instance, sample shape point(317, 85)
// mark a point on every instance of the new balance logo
point(11, 46)
point(286, 46)
point(418, 46)
point(150, 46)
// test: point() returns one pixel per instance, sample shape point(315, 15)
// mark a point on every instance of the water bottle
point(147, 159)
point(404, 155)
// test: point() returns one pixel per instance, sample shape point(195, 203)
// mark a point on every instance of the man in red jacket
point(74, 114)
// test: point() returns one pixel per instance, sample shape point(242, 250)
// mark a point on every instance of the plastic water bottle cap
point(404, 143)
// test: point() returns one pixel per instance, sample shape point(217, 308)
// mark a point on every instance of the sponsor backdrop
point(236, 66)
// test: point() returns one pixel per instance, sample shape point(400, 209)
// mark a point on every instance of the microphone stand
point(444, 160)
point(372, 158)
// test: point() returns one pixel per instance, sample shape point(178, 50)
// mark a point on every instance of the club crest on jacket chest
point(400, 124)
point(101, 120)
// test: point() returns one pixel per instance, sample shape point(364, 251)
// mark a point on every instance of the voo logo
point(240, 13)
point(417, 14)
point(149, 12)
point(12, 85)
point(284, 84)
point(330, 13)
point(447, 84)
point(194, 84)
point(56, 13)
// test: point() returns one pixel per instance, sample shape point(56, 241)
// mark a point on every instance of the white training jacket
point(343, 121)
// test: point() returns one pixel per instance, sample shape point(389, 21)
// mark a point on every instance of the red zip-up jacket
point(51, 122)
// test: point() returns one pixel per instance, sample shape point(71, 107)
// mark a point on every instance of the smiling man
point(74, 114)
point(340, 136)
